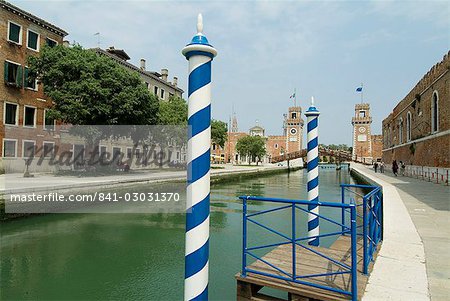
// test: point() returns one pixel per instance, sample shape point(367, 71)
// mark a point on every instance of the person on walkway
point(402, 168)
point(381, 167)
point(375, 166)
point(395, 167)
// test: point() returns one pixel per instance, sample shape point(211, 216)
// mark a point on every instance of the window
point(13, 74)
point(129, 152)
point(162, 93)
point(50, 42)
point(14, 33)
point(30, 81)
point(155, 91)
point(9, 148)
point(362, 113)
point(276, 145)
point(49, 122)
point(294, 115)
point(48, 149)
point(32, 40)
point(28, 148)
point(400, 131)
point(435, 112)
point(408, 127)
point(171, 95)
point(11, 110)
point(29, 116)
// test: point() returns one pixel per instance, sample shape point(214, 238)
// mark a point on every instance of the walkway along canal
point(138, 256)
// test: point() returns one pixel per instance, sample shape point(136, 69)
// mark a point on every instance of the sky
point(268, 49)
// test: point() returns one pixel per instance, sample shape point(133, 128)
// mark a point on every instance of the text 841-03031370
point(139, 197)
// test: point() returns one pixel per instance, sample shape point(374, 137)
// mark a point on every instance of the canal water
point(141, 256)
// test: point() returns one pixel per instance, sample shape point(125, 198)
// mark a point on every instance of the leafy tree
point(173, 112)
point(219, 132)
point(251, 146)
point(91, 89)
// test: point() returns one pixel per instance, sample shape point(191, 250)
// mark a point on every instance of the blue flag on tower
point(359, 89)
point(292, 96)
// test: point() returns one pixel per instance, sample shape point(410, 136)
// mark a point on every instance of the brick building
point(157, 83)
point(417, 131)
point(23, 103)
point(366, 147)
point(275, 144)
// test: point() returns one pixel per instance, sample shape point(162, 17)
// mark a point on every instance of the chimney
point(175, 81)
point(164, 74)
point(143, 64)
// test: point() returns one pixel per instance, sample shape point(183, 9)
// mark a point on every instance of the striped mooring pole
point(312, 157)
point(199, 53)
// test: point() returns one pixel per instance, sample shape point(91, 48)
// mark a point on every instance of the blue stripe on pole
point(313, 164)
point(199, 212)
point(203, 296)
point(199, 77)
point(197, 260)
point(197, 123)
point(312, 124)
point(314, 223)
point(313, 183)
point(198, 167)
point(313, 143)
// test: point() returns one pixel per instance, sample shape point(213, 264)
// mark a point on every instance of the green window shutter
point(25, 77)
point(19, 78)
point(32, 40)
point(6, 71)
point(14, 32)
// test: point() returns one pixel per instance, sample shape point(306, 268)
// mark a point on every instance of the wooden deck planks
point(308, 263)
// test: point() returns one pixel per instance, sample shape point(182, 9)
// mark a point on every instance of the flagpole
point(295, 97)
point(362, 92)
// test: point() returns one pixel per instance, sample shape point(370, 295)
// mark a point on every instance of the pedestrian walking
point(402, 168)
point(375, 166)
point(381, 167)
point(395, 167)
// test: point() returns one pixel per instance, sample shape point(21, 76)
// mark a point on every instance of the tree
point(251, 146)
point(91, 89)
point(173, 112)
point(219, 132)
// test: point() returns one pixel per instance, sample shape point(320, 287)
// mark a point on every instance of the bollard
point(312, 157)
point(199, 53)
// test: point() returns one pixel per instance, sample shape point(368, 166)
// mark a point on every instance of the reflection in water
point(138, 256)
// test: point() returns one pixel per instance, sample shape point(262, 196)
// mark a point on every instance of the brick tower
point(294, 129)
point(362, 144)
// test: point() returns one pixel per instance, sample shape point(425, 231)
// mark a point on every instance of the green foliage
point(251, 146)
point(91, 89)
point(219, 132)
point(173, 112)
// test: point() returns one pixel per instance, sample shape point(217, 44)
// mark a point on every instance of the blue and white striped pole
point(312, 157)
point(199, 53)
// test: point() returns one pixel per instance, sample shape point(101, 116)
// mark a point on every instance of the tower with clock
point(362, 144)
point(293, 129)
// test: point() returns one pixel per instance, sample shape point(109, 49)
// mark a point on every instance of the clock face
point(293, 131)
point(362, 129)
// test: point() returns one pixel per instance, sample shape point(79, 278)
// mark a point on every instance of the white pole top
point(312, 101)
point(200, 24)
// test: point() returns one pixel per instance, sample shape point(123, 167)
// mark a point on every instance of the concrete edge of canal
point(399, 272)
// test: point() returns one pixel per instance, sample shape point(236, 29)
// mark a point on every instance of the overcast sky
point(266, 49)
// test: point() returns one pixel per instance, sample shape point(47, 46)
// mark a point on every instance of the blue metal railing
point(372, 214)
point(366, 208)
point(293, 240)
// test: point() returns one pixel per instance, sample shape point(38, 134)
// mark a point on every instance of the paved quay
point(414, 260)
point(41, 182)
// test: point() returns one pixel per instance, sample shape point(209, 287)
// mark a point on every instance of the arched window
point(435, 112)
point(408, 127)
point(400, 131)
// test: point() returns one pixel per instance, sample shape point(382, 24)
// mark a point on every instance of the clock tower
point(293, 129)
point(362, 144)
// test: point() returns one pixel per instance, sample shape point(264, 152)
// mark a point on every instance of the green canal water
point(141, 256)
